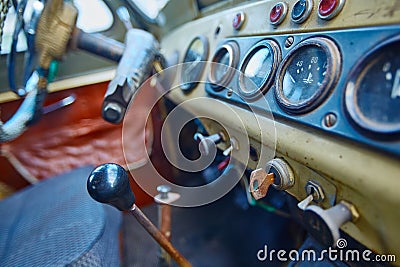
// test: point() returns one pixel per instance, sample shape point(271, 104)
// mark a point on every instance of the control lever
point(97, 44)
point(164, 198)
point(109, 184)
point(206, 143)
point(133, 69)
point(124, 17)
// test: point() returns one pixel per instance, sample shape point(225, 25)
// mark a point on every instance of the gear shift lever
point(109, 184)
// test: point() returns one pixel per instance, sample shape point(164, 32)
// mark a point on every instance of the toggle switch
point(206, 143)
point(314, 193)
point(234, 146)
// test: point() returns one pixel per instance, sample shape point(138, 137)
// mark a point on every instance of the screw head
point(289, 41)
point(330, 120)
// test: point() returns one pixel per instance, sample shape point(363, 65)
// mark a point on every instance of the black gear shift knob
point(109, 184)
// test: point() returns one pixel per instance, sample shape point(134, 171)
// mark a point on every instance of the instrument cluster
point(344, 82)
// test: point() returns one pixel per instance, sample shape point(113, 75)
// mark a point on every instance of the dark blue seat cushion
point(56, 223)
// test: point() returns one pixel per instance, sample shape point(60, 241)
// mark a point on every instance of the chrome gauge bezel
point(232, 49)
point(350, 93)
point(275, 51)
point(334, 62)
point(186, 87)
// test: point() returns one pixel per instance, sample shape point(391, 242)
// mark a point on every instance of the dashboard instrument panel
point(311, 81)
point(328, 72)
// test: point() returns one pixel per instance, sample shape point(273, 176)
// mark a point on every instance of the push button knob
point(324, 225)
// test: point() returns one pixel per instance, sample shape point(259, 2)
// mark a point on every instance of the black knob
point(109, 184)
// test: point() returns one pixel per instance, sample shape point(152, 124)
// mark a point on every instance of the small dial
point(373, 90)
point(223, 65)
point(258, 68)
point(193, 63)
point(307, 75)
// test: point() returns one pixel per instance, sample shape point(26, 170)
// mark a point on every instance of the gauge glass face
point(257, 70)
point(194, 63)
point(377, 89)
point(221, 69)
point(305, 74)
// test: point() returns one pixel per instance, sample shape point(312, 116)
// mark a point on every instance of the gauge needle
point(291, 77)
point(193, 64)
point(396, 85)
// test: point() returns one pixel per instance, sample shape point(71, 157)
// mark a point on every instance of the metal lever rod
point(159, 237)
point(124, 17)
point(59, 104)
point(98, 44)
point(133, 69)
point(109, 184)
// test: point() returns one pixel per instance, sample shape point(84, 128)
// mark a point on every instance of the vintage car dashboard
point(316, 83)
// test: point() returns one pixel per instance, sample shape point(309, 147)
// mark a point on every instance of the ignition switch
point(280, 176)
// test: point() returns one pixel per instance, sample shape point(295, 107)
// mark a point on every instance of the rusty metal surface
point(260, 181)
point(159, 237)
point(164, 222)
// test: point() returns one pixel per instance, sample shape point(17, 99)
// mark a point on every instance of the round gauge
point(223, 65)
point(193, 63)
point(372, 95)
point(258, 68)
point(307, 75)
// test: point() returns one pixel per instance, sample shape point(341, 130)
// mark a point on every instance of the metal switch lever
point(69, 100)
point(133, 69)
point(206, 142)
point(124, 17)
point(109, 184)
point(163, 199)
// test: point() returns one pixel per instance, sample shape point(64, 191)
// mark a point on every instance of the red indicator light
point(238, 20)
point(278, 13)
point(328, 9)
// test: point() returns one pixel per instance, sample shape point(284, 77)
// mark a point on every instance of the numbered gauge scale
point(307, 75)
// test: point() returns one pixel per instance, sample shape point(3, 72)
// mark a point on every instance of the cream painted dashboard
point(364, 176)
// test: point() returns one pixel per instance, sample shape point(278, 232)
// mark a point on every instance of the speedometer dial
point(193, 63)
point(307, 75)
point(258, 68)
point(373, 89)
point(223, 65)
